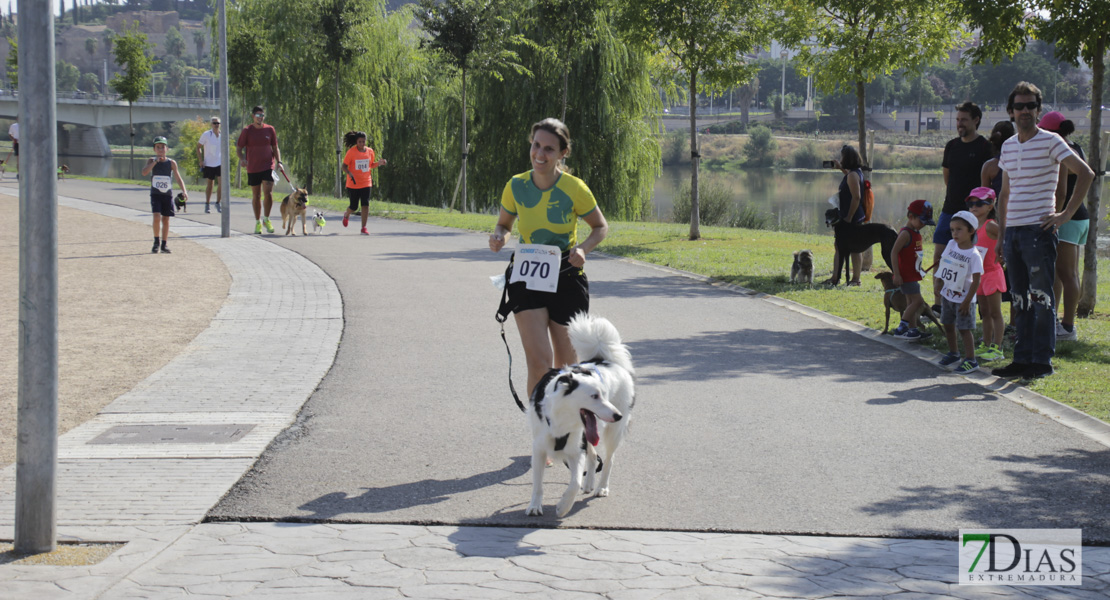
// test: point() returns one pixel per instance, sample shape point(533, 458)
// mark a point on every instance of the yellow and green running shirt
point(548, 216)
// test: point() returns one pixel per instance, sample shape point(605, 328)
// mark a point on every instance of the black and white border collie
point(580, 413)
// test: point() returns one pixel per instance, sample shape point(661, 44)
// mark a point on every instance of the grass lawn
point(760, 260)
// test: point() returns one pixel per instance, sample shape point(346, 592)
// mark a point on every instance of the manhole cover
point(172, 434)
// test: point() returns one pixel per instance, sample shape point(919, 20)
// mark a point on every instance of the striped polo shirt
point(1034, 168)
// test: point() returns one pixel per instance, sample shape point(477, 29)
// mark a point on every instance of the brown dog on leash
point(292, 206)
point(894, 298)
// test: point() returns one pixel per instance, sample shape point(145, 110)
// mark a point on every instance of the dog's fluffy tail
point(595, 337)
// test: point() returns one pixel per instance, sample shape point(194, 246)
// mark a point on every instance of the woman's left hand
point(577, 258)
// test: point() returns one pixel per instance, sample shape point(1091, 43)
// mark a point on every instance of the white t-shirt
point(956, 268)
point(1033, 167)
point(13, 132)
point(211, 143)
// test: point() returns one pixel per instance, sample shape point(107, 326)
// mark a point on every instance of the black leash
point(502, 314)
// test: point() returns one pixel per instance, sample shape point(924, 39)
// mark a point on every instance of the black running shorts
point(254, 179)
point(571, 297)
point(214, 172)
point(161, 205)
point(359, 197)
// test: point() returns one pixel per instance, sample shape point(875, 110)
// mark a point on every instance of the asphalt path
point(749, 417)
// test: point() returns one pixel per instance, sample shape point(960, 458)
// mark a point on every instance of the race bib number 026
point(537, 266)
point(161, 183)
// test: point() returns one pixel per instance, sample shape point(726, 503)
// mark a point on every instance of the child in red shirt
point(906, 257)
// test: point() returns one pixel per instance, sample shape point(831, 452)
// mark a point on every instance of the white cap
point(970, 218)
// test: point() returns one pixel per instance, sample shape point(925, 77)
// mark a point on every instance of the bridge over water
point(91, 113)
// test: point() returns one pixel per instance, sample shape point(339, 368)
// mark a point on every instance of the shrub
point(760, 149)
point(729, 127)
point(807, 156)
point(714, 203)
point(747, 216)
point(675, 147)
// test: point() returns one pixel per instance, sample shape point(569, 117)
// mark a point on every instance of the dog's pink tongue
point(590, 421)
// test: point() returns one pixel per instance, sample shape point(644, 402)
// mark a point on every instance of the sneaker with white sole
point(950, 359)
point(992, 353)
point(967, 366)
point(1063, 335)
point(902, 328)
point(912, 335)
point(267, 225)
point(207, 209)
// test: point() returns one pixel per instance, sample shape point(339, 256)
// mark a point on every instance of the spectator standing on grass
point(1073, 234)
point(1029, 223)
point(963, 161)
point(210, 152)
point(849, 202)
point(357, 164)
point(258, 151)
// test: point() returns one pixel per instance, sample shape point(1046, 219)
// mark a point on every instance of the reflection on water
point(115, 167)
point(797, 200)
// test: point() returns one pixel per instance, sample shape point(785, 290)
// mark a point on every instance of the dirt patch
point(123, 312)
point(66, 555)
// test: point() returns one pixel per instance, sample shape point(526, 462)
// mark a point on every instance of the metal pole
point(782, 94)
point(37, 436)
point(225, 152)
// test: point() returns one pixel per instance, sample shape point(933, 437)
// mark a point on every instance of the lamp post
point(782, 94)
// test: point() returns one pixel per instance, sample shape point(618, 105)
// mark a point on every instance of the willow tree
point(296, 84)
point(613, 115)
point(469, 35)
point(849, 44)
point(1079, 29)
point(707, 39)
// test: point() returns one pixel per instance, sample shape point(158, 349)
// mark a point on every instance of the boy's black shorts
point(213, 172)
point(161, 205)
point(571, 297)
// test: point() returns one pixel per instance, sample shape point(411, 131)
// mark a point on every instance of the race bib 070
point(362, 164)
point(161, 183)
point(537, 266)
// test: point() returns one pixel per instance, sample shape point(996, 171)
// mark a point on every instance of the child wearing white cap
point(957, 281)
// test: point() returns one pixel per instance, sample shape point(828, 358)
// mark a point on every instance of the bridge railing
point(113, 97)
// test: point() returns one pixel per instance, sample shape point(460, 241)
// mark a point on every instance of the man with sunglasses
point(1028, 224)
point(963, 161)
point(258, 151)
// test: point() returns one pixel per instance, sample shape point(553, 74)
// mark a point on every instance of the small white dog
point(580, 413)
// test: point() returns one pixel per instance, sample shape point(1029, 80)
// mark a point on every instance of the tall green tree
point(200, 39)
point(708, 39)
point(13, 62)
point(132, 54)
point(568, 27)
point(848, 43)
point(469, 35)
point(175, 43)
point(338, 22)
point(66, 76)
point(1080, 29)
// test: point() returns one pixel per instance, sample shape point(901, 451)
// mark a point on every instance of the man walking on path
point(963, 162)
point(1028, 224)
point(13, 132)
point(210, 152)
point(258, 151)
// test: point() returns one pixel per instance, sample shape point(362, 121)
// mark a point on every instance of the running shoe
point(258, 227)
point(924, 335)
point(346, 219)
point(165, 250)
point(1063, 335)
point(218, 209)
point(913, 335)
point(207, 209)
point(902, 328)
point(269, 227)
point(993, 353)
point(982, 350)
point(154, 249)
point(950, 359)
point(364, 232)
point(967, 366)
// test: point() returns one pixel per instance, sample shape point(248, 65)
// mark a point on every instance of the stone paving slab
point(399, 561)
point(76, 444)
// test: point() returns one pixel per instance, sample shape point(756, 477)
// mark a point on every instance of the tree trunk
point(338, 140)
point(1088, 293)
point(464, 145)
point(131, 128)
point(695, 158)
point(861, 120)
point(566, 74)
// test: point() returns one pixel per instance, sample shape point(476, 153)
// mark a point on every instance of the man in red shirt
point(258, 152)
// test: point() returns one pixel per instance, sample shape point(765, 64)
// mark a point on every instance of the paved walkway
point(154, 496)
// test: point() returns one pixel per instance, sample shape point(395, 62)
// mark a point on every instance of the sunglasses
point(1026, 105)
point(260, 115)
point(980, 202)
